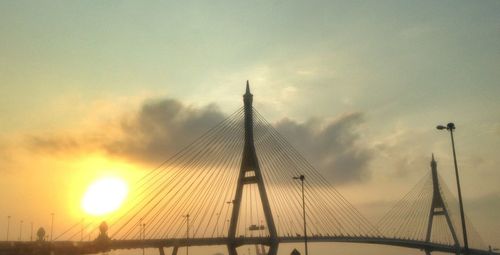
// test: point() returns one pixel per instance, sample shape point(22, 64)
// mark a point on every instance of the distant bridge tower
point(250, 174)
point(438, 208)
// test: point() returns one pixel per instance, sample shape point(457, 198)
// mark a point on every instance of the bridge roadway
point(92, 247)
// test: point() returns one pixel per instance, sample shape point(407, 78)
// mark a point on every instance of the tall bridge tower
point(438, 208)
point(250, 174)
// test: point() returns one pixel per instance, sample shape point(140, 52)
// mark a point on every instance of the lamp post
point(81, 229)
point(302, 179)
point(52, 227)
point(8, 227)
point(229, 203)
point(217, 223)
point(143, 235)
point(187, 233)
point(450, 127)
point(20, 230)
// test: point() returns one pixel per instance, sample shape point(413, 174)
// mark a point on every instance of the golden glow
point(104, 196)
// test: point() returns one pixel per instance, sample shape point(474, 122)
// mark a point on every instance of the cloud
point(5, 156)
point(157, 130)
point(335, 148)
point(160, 128)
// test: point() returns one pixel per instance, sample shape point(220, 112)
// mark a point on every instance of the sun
point(104, 196)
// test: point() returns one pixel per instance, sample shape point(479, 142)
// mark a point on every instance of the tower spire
point(248, 88)
point(433, 163)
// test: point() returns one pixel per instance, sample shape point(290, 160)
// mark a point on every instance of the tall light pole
point(229, 203)
point(217, 223)
point(302, 179)
point(20, 230)
point(52, 227)
point(8, 227)
point(187, 233)
point(81, 229)
point(143, 234)
point(450, 127)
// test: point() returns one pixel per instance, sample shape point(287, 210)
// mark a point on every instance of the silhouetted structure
point(245, 163)
point(438, 208)
point(250, 174)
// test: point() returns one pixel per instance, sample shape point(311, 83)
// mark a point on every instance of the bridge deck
point(90, 247)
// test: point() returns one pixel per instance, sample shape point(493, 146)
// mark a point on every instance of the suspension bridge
point(235, 186)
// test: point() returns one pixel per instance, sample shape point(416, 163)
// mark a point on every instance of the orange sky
point(92, 89)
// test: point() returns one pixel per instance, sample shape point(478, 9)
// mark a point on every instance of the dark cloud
point(55, 144)
point(162, 127)
point(65, 144)
point(334, 148)
point(150, 135)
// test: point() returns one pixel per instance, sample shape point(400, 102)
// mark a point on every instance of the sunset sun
point(104, 196)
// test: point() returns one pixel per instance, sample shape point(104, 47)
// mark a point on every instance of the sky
point(95, 88)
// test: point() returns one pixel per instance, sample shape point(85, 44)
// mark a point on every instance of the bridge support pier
point(174, 251)
point(231, 250)
point(273, 249)
point(162, 252)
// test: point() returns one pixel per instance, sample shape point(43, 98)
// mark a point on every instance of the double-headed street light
point(451, 127)
point(302, 178)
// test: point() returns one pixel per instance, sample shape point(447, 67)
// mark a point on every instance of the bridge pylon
point(438, 208)
point(250, 174)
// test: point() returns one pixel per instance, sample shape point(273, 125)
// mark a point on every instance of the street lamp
point(229, 203)
point(20, 230)
point(302, 179)
point(8, 227)
point(52, 227)
point(450, 127)
point(81, 229)
point(143, 235)
point(187, 233)
point(217, 223)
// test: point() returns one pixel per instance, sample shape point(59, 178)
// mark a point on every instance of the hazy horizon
point(92, 89)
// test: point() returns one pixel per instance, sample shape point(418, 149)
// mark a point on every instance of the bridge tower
point(438, 208)
point(250, 174)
